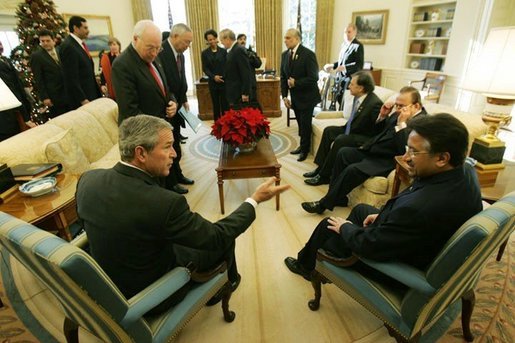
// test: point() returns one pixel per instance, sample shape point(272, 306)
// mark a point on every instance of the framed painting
point(100, 30)
point(371, 26)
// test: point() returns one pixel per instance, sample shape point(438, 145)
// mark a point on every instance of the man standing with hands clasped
point(299, 77)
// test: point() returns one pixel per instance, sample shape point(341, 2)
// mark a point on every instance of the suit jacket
point(137, 92)
point(176, 83)
point(414, 226)
point(132, 223)
point(237, 75)
point(364, 121)
point(352, 58)
point(304, 69)
point(49, 77)
point(381, 150)
point(79, 74)
point(214, 64)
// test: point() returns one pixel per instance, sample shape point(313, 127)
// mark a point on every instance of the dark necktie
point(86, 49)
point(355, 106)
point(290, 58)
point(158, 80)
point(180, 62)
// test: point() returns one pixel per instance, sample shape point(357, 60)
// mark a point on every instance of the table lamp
point(7, 99)
point(493, 75)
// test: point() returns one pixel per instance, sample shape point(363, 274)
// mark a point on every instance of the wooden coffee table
point(53, 212)
point(259, 163)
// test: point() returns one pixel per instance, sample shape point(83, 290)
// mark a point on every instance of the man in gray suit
point(134, 226)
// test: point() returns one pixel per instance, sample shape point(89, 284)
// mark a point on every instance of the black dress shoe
point(302, 156)
point(183, 138)
point(312, 173)
point(183, 180)
point(219, 295)
point(317, 181)
point(179, 189)
point(295, 267)
point(296, 151)
point(313, 207)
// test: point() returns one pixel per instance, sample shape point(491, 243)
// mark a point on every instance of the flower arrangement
point(244, 126)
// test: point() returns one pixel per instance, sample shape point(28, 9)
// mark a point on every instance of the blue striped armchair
point(92, 301)
point(409, 311)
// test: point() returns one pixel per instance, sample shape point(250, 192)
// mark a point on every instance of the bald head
point(147, 40)
point(292, 38)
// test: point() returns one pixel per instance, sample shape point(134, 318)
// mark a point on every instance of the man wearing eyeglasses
point(353, 166)
point(413, 226)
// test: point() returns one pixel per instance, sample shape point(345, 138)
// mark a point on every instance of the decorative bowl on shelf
point(420, 33)
point(414, 64)
point(38, 187)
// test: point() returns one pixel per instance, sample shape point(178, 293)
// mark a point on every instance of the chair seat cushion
point(377, 185)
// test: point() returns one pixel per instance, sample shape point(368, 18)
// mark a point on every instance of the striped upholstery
point(454, 272)
point(89, 297)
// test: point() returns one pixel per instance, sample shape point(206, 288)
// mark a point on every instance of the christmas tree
point(33, 16)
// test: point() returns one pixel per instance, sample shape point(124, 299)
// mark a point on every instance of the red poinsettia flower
point(237, 127)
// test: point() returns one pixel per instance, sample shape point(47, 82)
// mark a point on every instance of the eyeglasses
point(151, 48)
point(412, 153)
point(399, 106)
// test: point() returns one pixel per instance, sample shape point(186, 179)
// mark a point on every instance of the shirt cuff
point(400, 126)
point(252, 202)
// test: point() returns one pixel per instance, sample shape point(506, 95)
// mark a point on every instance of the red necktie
point(86, 49)
point(158, 80)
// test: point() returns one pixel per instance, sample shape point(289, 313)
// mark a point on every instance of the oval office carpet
point(271, 302)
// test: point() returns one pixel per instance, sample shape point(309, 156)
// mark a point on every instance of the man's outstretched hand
point(267, 190)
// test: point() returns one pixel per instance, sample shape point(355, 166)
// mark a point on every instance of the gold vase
point(247, 147)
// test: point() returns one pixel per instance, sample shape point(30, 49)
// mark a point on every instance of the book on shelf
point(31, 171)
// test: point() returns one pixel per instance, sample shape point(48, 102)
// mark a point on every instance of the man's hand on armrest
point(267, 190)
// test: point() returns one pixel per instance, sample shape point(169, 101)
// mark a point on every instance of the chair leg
point(288, 117)
point(501, 250)
point(467, 306)
point(228, 315)
point(316, 282)
point(71, 331)
point(399, 338)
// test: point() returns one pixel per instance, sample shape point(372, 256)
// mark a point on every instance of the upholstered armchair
point(409, 311)
point(91, 300)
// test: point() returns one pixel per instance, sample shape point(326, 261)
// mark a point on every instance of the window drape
point(269, 33)
point(324, 31)
point(141, 9)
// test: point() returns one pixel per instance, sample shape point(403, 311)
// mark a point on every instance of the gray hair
point(179, 29)
point(142, 25)
point(141, 130)
point(227, 33)
point(295, 32)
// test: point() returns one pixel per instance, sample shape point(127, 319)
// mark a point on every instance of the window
point(308, 20)
point(239, 17)
point(9, 40)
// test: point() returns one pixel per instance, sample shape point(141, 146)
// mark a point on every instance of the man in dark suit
point(133, 232)
point(79, 74)
point(413, 226)
point(172, 59)
point(375, 158)
point(350, 60)
point(9, 125)
point(299, 77)
point(360, 127)
point(48, 75)
point(237, 72)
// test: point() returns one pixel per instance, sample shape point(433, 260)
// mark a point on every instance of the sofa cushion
point(105, 110)
point(108, 160)
point(63, 148)
point(377, 185)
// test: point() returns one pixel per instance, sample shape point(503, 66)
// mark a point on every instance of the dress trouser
point(304, 118)
point(220, 104)
point(175, 170)
point(345, 177)
point(329, 240)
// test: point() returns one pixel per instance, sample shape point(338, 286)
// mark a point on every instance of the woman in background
point(213, 63)
point(106, 63)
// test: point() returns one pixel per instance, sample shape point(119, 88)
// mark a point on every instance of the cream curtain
point(141, 9)
point(202, 15)
point(324, 31)
point(269, 31)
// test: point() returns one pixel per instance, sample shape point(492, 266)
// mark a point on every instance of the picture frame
point(100, 30)
point(371, 26)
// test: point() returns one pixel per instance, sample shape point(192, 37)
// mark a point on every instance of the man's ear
point(140, 154)
point(443, 159)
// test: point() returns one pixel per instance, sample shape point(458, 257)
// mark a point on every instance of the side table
point(53, 212)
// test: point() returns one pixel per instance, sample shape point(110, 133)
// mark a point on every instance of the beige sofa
point(82, 139)
point(377, 190)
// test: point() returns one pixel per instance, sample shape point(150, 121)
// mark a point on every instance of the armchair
point(91, 300)
point(432, 86)
point(408, 312)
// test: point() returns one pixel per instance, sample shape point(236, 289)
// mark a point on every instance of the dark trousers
point(220, 104)
point(345, 177)
point(329, 240)
point(304, 118)
point(57, 110)
point(333, 139)
point(175, 170)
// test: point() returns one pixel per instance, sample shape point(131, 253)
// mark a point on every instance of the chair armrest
point(155, 294)
point(329, 115)
point(80, 241)
point(417, 81)
point(410, 276)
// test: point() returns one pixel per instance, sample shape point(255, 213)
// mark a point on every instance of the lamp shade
point(493, 73)
point(7, 99)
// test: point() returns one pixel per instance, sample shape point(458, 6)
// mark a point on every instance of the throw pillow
point(65, 149)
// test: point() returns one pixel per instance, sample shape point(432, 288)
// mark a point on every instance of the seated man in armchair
point(413, 226)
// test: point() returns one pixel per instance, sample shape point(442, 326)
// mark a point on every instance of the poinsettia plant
point(243, 126)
